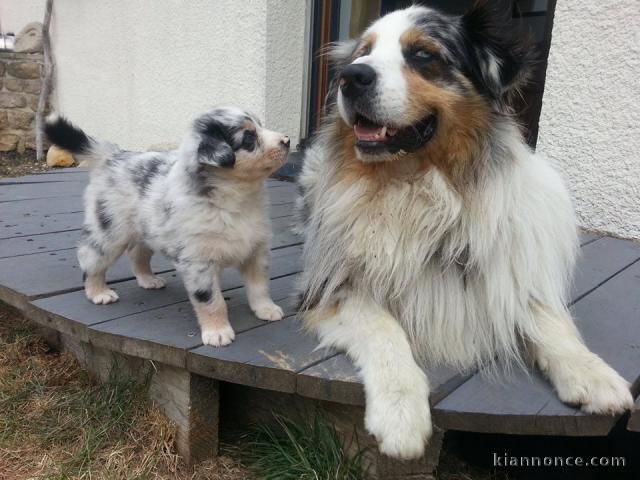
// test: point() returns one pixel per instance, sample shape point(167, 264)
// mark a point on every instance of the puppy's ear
point(502, 55)
point(340, 55)
point(215, 151)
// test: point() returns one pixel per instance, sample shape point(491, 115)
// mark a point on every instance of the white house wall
point(138, 71)
point(590, 121)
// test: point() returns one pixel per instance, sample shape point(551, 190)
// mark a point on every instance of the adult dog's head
point(419, 80)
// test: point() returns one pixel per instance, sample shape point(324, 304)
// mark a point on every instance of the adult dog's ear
point(215, 151)
point(501, 55)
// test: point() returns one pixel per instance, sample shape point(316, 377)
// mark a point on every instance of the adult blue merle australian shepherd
point(434, 235)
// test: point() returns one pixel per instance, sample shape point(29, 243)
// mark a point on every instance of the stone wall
point(20, 84)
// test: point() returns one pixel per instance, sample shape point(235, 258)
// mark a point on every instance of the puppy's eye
point(249, 140)
point(422, 55)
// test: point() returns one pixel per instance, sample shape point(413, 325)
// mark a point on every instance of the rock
point(57, 157)
point(8, 142)
point(14, 84)
point(4, 121)
point(12, 100)
point(33, 100)
point(32, 86)
point(20, 120)
point(29, 40)
point(25, 69)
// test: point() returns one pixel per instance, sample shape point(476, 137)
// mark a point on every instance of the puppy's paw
point(596, 387)
point(218, 337)
point(151, 282)
point(401, 422)
point(268, 311)
point(104, 297)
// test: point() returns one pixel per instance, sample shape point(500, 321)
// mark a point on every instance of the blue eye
point(421, 54)
point(249, 140)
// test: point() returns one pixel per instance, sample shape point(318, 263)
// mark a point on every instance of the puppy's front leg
point(256, 279)
point(203, 286)
point(396, 388)
point(579, 376)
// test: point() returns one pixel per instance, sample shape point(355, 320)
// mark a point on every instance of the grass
point(300, 449)
point(56, 423)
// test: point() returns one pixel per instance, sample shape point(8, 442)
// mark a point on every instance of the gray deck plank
point(54, 177)
point(12, 212)
point(60, 222)
point(71, 312)
point(600, 260)
point(608, 320)
point(43, 274)
point(68, 312)
point(73, 170)
point(588, 237)
point(165, 334)
point(28, 191)
point(55, 244)
point(267, 357)
point(48, 242)
point(47, 223)
point(337, 380)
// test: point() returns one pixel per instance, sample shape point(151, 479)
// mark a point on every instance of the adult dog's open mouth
point(373, 138)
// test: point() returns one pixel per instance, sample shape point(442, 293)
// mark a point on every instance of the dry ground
point(55, 423)
point(15, 165)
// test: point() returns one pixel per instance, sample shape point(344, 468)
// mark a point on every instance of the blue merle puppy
point(204, 206)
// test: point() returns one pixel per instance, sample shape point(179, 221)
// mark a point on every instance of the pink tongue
point(369, 133)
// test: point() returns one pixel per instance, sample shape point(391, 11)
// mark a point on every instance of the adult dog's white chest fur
point(459, 272)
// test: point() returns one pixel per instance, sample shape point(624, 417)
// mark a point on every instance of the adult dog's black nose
point(356, 79)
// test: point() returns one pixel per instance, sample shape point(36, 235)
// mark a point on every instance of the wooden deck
point(40, 221)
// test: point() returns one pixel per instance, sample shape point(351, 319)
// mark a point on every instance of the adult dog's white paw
point(151, 282)
point(595, 386)
point(218, 337)
point(104, 297)
point(268, 310)
point(400, 421)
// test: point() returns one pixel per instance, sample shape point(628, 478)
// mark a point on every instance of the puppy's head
point(417, 74)
point(233, 143)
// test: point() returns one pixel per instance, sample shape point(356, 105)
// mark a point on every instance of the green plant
point(300, 449)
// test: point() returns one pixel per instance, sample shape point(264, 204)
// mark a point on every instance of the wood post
point(189, 400)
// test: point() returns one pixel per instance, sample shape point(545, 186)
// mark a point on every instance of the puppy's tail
point(64, 134)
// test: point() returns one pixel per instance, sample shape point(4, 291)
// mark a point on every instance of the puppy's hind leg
point(579, 376)
point(95, 257)
point(140, 259)
point(256, 279)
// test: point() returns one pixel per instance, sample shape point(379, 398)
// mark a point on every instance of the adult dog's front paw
point(401, 422)
point(595, 386)
point(218, 337)
point(268, 310)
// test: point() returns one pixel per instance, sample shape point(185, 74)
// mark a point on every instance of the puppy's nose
point(285, 141)
point(356, 79)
